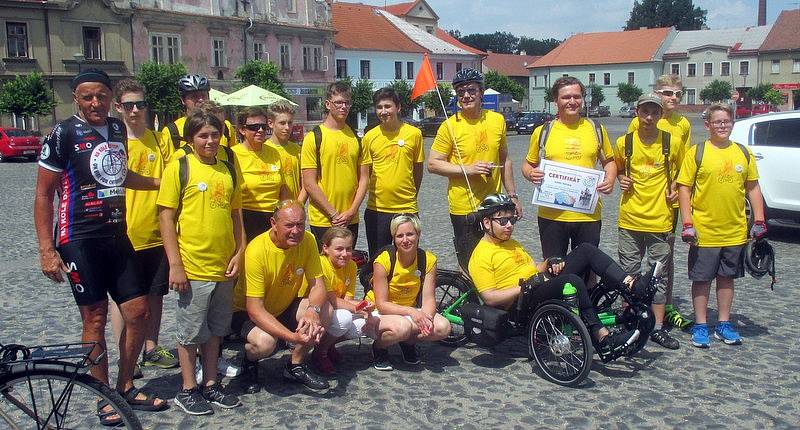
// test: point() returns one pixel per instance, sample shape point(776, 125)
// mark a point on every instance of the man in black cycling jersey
point(85, 159)
point(499, 262)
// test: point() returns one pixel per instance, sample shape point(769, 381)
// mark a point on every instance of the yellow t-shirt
point(340, 160)
point(205, 227)
point(477, 140)
point(500, 265)
point(276, 274)
point(290, 163)
point(168, 146)
point(262, 176)
point(645, 208)
point(719, 192)
point(404, 287)
point(393, 156)
point(144, 158)
point(340, 281)
point(574, 144)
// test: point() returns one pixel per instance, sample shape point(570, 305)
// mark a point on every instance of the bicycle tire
point(547, 345)
point(19, 390)
point(449, 287)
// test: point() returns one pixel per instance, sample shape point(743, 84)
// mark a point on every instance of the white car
point(774, 139)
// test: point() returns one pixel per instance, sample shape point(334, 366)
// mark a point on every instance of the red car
point(743, 112)
point(15, 142)
point(761, 109)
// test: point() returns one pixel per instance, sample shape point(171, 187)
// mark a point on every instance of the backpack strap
point(543, 135)
point(422, 264)
point(598, 134)
point(183, 180)
point(174, 135)
point(628, 153)
point(744, 151)
point(226, 132)
point(228, 153)
point(665, 150)
point(318, 143)
point(229, 163)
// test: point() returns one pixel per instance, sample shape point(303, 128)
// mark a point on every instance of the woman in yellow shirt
point(404, 302)
point(263, 184)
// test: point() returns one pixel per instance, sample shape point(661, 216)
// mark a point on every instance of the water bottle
point(571, 297)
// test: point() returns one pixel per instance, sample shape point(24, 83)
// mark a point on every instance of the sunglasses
point(141, 104)
point(255, 127)
point(670, 93)
point(504, 220)
point(471, 91)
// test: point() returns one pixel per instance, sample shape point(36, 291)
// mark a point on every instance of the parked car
point(599, 111)
point(15, 142)
point(774, 139)
point(763, 108)
point(430, 125)
point(743, 111)
point(530, 120)
point(627, 112)
point(410, 121)
point(511, 121)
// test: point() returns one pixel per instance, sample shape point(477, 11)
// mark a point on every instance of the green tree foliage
point(716, 91)
point(548, 96)
point(500, 41)
point(455, 33)
point(628, 93)
point(758, 92)
point(536, 46)
point(773, 97)
point(431, 99)
point(682, 14)
point(261, 74)
point(362, 96)
point(596, 92)
point(503, 84)
point(403, 89)
point(26, 95)
point(160, 82)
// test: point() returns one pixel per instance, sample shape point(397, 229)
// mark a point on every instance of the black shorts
point(255, 223)
point(557, 236)
point(154, 270)
point(705, 264)
point(102, 267)
point(377, 224)
point(320, 231)
point(466, 235)
point(241, 323)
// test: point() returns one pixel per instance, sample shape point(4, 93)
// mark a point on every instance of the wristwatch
point(316, 309)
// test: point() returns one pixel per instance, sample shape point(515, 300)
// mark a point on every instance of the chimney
point(762, 12)
point(523, 52)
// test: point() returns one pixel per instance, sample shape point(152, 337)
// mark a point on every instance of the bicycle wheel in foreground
point(560, 344)
point(450, 285)
point(51, 399)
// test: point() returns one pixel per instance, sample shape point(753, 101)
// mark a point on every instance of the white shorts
point(345, 324)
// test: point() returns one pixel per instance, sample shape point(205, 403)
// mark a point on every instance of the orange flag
point(425, 80)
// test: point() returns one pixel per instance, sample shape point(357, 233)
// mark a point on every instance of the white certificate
point(568, 187)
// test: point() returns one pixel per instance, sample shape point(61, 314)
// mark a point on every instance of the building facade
point(779, 58)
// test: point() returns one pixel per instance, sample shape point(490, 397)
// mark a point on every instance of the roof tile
point(635, 46)
point(361, 27)
point(510, 64)
point(785, 34)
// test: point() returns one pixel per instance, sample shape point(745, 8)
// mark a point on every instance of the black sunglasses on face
point(503, 220)
point(255, 127)
point(141, 104)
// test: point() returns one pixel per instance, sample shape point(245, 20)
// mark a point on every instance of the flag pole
point(472, 198)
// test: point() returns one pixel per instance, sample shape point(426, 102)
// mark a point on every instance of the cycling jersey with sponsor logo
point(93, 164)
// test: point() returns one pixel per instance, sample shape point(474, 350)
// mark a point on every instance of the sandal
point(147, 404)
point(106, 416)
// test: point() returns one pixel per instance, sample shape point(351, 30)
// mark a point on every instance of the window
point(17, 35)
point(535, 81)
point(781, 132)
point(691, 70)
point(312, 58)
point(744, 68)
point(708, 69)
point(218, 52)
point(776, 66)
point(286, 59)
point(458, 67)
point(439, 71)
point(409, 70)
point(429, 29)
point(725, 68)
point(691, 96)
point(606, 78)
point(591, 78)
point(796, 65)
point(564, 75)
point(398, 70)
point(91, 43)
point(364, 69)
point(291, 6)
point(314, 108)
point(675, 68)
point(631, 77)
point(165, 48)
point(258, 51)
point(341, 69)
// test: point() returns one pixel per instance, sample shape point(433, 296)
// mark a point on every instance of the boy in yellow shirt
point(280, 118)
point(713, 181)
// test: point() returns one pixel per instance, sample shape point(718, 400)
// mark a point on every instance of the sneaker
point(228, 368)
point(700, 336)
point(216, 395)
point(726, 333)
point(302, 374)
point(618, 340)
point(193, 403)
point(380, 359)
point(334, 355)
point(663, 338)
point(137, 372)
point(410, 355)
point(675, 319)
point(249, 377)
point(159, 357)
point(322, 362)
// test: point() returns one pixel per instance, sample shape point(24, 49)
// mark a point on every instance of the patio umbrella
point(216, 95)
point(252, 96)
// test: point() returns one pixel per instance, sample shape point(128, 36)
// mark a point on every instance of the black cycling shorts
point(154, 270)
point(255, 223)
point(102, 267)
point(557, 236)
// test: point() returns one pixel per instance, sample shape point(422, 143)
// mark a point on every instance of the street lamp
point(79, 57)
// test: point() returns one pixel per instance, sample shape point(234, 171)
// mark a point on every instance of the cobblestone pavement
point(754, 385)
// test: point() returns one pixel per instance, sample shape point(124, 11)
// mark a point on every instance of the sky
point(561, 18)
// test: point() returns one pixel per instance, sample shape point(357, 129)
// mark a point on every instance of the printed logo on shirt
point(343, 153)
point(726, 173)
point(219, 199)
point(110, 192)
point(109, 163)
point(482, 142)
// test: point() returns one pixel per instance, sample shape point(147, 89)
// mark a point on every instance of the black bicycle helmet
point(190, 83)
point(759, 259)
point(494, 203)
point(465, 76)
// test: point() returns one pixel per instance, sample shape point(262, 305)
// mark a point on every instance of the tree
point(548, 96)
point(716, 91)
point(264, 75)
point(536, 46)
point(160, 83)
point(26, 95)
point(431, 99)
point(499, 41)
point(503, 84)
point(758, 92)
point(773, 97)
point(455, 33)
point(403, 89)
point(628, 93)
point(362, 96)
point(682, 14)
point(596, 92)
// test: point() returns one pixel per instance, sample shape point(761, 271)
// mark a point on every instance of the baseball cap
point(649, 98)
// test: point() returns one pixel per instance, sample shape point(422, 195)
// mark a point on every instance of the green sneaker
point(674, 318)
point(159, 357)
